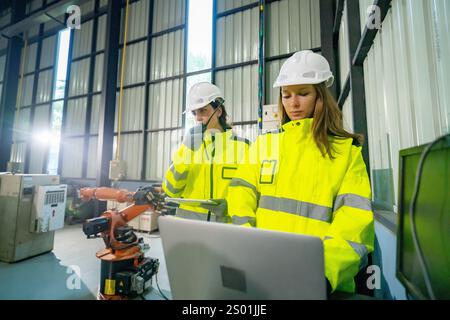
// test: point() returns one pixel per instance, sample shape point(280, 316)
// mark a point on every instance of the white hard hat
point(201, 94)
point(305, 67)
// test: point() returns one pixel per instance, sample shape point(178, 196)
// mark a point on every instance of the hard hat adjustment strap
point(209, 120)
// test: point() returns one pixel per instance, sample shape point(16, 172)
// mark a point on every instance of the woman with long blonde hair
point(309, 177)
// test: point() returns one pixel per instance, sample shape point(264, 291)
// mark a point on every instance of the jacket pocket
point(268, 171)
point(228, 172)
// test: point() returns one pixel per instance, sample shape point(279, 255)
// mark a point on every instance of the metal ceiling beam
point(44, 15)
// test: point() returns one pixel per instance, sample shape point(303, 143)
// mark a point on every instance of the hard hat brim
point(279, 84)
point(196, 107)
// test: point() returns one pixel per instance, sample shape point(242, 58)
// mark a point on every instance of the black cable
point(412, 208)
point(204, 128)
point(208, 218)
point(159, 289)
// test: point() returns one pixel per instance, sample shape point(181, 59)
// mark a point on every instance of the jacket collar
point(207, 136)
point(302, 127)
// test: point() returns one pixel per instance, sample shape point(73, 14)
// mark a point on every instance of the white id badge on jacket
point(268, 170)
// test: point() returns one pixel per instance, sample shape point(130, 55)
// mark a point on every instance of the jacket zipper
point(211, 194)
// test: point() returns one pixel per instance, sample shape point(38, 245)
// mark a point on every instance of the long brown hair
point(223, 119)
point(328, 121)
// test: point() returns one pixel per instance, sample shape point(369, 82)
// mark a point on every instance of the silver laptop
point(207, 260)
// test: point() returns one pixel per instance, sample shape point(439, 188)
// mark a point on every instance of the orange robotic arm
point(107, 225)
point(105, 194)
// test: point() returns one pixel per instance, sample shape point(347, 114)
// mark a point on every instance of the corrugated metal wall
point(76, 108)
point(27, 89)
point(160, 147)
point(347, 113)
point(237, 37)
point(166, 101)
point(165, 96)
point(240, 88)
point(344, 68)
point(407, 76)
point(79, 160)
point(272, 70)
point(38, 146)
point(30, 61)
point(76, 113)
point(22, 126)
point(135, 63)
point(225, 5)
point(166, 93)
point(91, 165)
point(3, 43)
point(168, 14)
point(45, 84)
point(48, 51)
point(167, 48)
point(292, 25)
point(5, 17)
point(41, 121)
point(237, 41)
point(137, 20)
point(72, 156)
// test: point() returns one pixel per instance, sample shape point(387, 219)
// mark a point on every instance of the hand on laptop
point(220, 209)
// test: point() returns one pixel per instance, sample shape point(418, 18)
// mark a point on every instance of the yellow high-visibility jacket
point(287, 185)
point(202, 168)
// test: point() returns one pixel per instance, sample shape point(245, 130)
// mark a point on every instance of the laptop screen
point(214, 261)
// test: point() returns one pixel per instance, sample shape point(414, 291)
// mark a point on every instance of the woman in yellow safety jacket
point(208, 158)
point(309, 177)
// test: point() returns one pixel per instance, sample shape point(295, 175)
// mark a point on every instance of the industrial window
point(58, 93)
point(199, 48)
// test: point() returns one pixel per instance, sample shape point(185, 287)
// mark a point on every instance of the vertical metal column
point(10, 86)
point(214, 43)
point(65, 103)
point(186, 29)
point(108, 97)
point(329, 48)
point(147, 89)
point(261, 63)
point(357, 77)
point(338, 12)
point(33, 99)
point(52, 93)
point(87, 128)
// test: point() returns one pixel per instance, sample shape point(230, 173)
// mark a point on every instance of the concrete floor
point(50, 275)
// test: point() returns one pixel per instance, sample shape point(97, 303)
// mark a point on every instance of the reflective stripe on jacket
point(287, 185)
point(202, 168)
